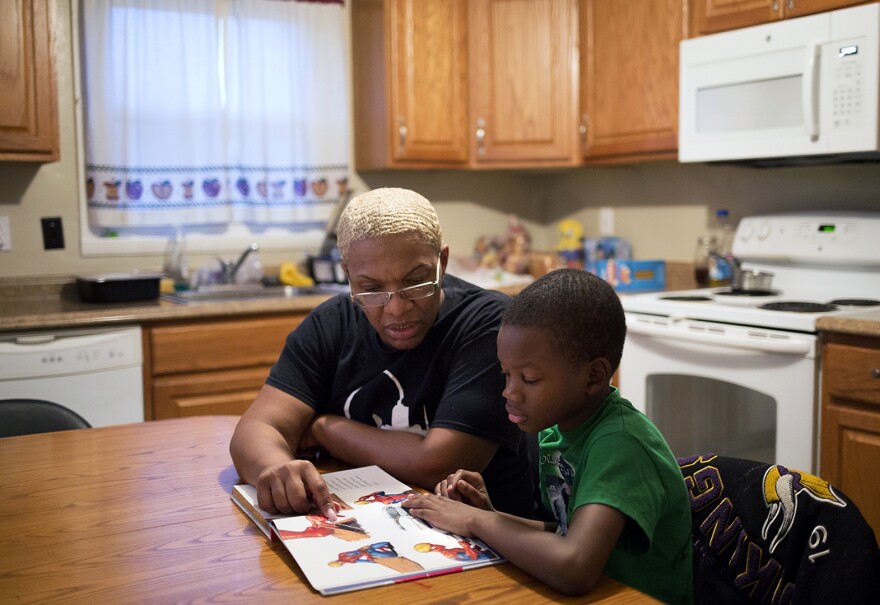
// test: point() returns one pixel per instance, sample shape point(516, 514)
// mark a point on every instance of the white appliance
point(737, 373)
point(798, 88)
point(98, 373)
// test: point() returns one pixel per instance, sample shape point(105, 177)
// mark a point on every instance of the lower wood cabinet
point(850, 440)
point(210, 367)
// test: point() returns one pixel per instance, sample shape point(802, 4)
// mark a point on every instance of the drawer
point(851, 372)
point(218, 345)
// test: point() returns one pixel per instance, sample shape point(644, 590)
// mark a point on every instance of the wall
point(660, 207)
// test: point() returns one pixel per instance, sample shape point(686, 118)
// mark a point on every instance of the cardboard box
point(597, 249)
point(633, 275)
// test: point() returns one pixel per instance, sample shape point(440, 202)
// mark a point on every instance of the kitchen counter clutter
point(52, 302)
point(38, 303)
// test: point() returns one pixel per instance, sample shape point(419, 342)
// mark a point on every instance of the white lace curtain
point(206, 112)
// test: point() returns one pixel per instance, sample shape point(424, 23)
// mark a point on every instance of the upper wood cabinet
point(710, 16)
point(410, 83)
point(629, 78)
point(464, 83)
point(523, 74)
point(28, 104)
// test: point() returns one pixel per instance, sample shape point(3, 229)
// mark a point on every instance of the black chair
point(764, 533)
point(29, 416)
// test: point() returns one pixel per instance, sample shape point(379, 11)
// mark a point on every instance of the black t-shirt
point(335, 362)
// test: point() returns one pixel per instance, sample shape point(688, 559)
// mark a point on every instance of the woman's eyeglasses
point(380, 299)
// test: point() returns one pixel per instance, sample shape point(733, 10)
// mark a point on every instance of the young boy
point(607, 474)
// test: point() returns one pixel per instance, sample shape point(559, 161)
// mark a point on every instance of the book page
point(374, 541)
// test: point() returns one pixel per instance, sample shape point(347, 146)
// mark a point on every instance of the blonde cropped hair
point(387, 211)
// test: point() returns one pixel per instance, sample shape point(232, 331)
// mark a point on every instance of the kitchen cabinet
point(850, 440)
point(710, 16)
point(523, 74)
point(465, 83)
point(28, 103)
point(196, 368)
point(409, 64)
point(629, 78)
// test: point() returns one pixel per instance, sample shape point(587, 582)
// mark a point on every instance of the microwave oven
point(804, 88)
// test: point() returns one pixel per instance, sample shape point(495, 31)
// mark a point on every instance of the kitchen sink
point(235, 292)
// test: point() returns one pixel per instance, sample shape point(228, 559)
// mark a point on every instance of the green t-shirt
point(618, 458)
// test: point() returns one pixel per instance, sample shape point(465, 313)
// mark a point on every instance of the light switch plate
point(5, 234)
point(606, 221)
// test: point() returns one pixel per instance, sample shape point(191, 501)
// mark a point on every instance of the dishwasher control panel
point(64, 352)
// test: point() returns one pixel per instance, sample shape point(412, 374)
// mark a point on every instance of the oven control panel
point(845, 239)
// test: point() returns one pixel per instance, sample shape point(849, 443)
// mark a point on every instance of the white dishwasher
point(96, 372)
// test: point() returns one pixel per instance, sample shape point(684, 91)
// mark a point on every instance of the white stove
point(829, 263)
point(730, 373)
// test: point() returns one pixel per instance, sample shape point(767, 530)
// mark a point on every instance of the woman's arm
point(410, 457)
point(263, 447)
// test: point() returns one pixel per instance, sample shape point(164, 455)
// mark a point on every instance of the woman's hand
point(294, 487)
point(465, 486)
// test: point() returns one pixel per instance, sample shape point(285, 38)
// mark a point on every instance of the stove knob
point(747, 231)
point(764, 230)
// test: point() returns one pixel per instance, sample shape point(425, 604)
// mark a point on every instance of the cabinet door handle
point(875, 373)
point(582, 129)
point(790, 5)
point(775, 6)
point(401, 133)
point(481, 136)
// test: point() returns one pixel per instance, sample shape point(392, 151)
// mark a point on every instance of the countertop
point(866, 323)
point(29, 304)
point(52, 303)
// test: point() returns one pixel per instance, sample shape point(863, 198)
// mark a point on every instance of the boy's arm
point(571, 564)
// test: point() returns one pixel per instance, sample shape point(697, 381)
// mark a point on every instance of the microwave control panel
point(846, 91)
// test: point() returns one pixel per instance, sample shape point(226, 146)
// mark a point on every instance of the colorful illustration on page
point(379, 553)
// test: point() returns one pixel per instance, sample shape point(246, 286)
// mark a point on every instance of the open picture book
point(373, 542)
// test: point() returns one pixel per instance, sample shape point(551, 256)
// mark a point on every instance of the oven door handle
point(786, 345)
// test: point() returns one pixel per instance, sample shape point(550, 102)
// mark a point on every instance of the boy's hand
point(443, 513)
point(465, 486)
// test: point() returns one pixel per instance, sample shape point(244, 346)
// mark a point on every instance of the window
point(228, 118)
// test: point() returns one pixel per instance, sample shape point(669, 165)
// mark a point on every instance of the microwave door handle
point(785, 346)
point(809, 91)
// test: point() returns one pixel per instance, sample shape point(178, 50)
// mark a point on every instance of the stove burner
point(798, 307)
point(688, 298)
point(739, 292)
point(855, 302)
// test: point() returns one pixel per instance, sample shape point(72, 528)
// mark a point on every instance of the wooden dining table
point(141, 513)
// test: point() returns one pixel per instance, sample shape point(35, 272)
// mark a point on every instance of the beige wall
point(660, 207)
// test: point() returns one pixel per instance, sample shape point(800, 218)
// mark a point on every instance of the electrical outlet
point(53, 234)
point(5, 234)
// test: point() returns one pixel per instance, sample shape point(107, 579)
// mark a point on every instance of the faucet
point(230, 269)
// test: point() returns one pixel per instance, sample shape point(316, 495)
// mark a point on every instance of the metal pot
point(751, 280)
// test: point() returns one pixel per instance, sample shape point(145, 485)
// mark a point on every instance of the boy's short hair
point(580, 311)
point(387, 211)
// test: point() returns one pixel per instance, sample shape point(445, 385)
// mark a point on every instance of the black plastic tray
point(118, 287)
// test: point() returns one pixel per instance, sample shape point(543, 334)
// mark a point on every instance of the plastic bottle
point(176, 265)
point(702, 259)
point(719, 268)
